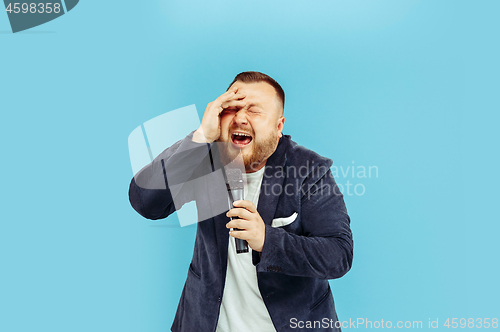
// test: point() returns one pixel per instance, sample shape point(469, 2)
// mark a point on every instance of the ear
point(281, 123)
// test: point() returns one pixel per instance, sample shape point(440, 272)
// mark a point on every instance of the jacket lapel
point(273, 179)
point(220, 220)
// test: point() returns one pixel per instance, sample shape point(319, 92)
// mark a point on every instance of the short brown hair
point(255, 77)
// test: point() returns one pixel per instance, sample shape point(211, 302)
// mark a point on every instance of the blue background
point(410, 87)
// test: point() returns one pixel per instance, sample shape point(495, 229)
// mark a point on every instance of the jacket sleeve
point(150, 191)
point(324, 250)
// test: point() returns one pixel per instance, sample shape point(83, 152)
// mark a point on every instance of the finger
point(238, 104)
point(239, 95)
point(238, 223)
point(236, 96)
point(240, 234)
point(225, 101)
point(231, 97)
point(233, 89)
point(246, 205)
point(229, 93)
point(214, 106)
point(240, 213)
point(223, 97)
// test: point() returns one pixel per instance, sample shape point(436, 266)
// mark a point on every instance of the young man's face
point(254, 129)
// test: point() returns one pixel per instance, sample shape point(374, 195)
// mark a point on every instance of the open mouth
point(241, 139)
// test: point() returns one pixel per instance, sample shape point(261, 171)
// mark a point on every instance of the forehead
point(259, 93)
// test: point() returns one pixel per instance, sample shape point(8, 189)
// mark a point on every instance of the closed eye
point(254, 111)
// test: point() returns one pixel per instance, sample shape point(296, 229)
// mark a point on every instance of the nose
point(240, 118)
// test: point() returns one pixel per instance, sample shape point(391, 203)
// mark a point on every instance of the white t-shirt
point(242, 308)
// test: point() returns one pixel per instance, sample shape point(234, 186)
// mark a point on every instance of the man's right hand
point(209, 130)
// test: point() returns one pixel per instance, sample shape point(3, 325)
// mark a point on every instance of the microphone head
point(234, 178)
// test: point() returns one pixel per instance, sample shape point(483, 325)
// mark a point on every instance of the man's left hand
point(251, 225)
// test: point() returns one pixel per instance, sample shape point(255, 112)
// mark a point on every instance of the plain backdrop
point(408, 87)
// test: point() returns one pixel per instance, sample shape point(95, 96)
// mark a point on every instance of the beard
point(261, 150)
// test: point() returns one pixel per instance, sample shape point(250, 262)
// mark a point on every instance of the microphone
point(236, 189)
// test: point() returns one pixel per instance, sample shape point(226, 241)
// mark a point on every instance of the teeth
point(241, 134)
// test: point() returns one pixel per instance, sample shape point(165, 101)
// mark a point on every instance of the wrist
point(198, 137)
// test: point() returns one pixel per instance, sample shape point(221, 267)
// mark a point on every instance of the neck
point(254, 167)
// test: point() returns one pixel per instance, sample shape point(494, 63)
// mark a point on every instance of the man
point(293, 218)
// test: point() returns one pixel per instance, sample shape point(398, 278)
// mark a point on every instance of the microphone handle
point(241, 245)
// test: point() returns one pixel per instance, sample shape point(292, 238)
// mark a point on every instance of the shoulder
point(304, 159)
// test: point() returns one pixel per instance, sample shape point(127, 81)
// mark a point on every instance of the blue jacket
point(296, 260)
